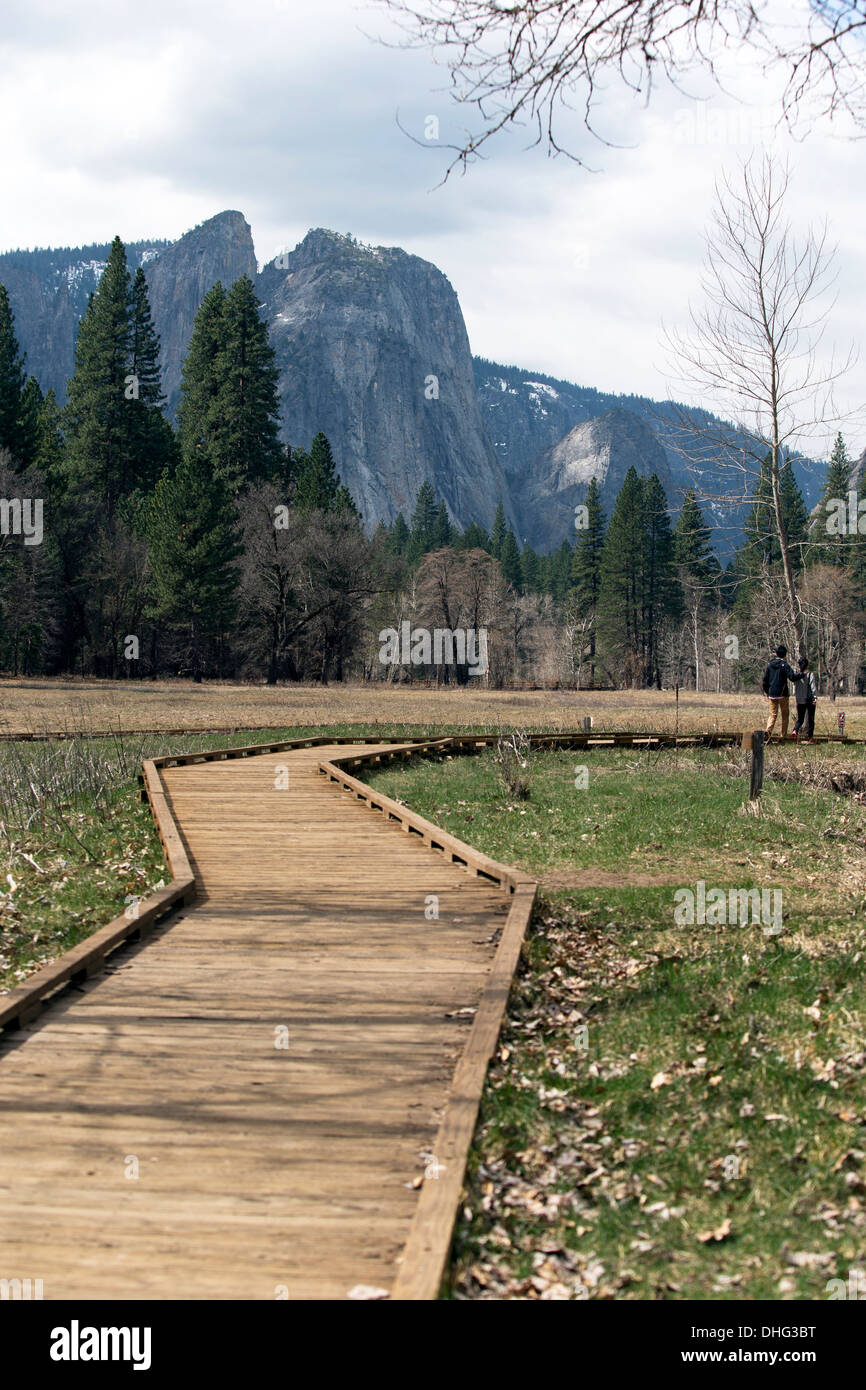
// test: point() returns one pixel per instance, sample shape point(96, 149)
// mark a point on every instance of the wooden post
point(757, 777)
point(587, 723)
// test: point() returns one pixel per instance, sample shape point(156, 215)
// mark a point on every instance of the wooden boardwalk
point(159, 1140)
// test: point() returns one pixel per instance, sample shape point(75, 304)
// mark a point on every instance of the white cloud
point(144, 121)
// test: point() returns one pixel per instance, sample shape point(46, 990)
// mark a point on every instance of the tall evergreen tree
point(699, 575)
point(500, 527)
point(422, 523)
point(442, 533)
point(102, 453)
point(193, 550)
point(588, 548)
point(317, 481)
point(509, 558)
point(198, 413)
point(49, 453)
point(795, 514)
point(529, 561)
point(828, 548)
point(473, 538)
point(248, 448)
point(693, 549)
point(28, 422)
point(662, 592)
point(761, 542)
point(621, 600)
point(11, 382)
point(586, 564)
point(557, 571)
point(398, 538)
point(151, 438)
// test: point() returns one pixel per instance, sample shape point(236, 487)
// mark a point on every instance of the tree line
point(211, 549)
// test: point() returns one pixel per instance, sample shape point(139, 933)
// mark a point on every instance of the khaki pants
point(779, 706)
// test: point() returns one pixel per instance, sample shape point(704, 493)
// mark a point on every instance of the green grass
point(709, 1142)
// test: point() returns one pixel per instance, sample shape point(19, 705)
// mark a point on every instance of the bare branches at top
point(518, 64)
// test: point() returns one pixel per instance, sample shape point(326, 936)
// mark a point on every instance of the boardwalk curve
point(274, 1094)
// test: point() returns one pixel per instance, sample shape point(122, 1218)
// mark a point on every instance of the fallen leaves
point(721, 1232)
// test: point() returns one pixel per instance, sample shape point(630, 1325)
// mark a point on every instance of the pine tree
point(28, 422)
point(344, 502)
point(11, 382)
point(794, 513)
point(693, 550)
point(509, 558)
point(198, 413)
point(317, 482)
point(529, 562)
point(497, 535)
point(473, 538)
point(50, 454)
point(621, 599)
point(586, 556)
point(557, 571)
point(761, 542)
point(248, 449)
point(828, 548)
point(588, 548)
point(150, 436)
point(193, 550)
point(662, 592)
point(96, 414)
point(422, 523)
point(858, 541)
point(699, 574)
point(442, 533)
point(398, 538)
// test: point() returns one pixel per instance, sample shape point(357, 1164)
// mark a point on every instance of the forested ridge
point(214, 550)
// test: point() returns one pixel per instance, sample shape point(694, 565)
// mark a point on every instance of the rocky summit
point(372, 350)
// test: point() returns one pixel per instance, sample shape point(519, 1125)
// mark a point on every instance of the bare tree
point(834, 621)
point(754, 349)
point(519, 63)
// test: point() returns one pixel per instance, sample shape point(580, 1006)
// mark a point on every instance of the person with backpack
point(775, 687)
point(806, 693)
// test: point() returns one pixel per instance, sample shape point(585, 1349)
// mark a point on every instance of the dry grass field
point(39, 706)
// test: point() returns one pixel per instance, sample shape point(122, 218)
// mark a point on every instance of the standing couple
point(775, 686)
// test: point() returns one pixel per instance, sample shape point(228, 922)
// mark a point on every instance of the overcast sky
point(145, 120)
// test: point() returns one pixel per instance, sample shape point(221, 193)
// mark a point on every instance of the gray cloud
point(147, 121)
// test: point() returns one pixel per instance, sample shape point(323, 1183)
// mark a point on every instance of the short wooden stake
point(757, 771)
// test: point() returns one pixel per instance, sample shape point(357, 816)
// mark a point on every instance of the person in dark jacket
point(775, 687)
point(806, 692)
